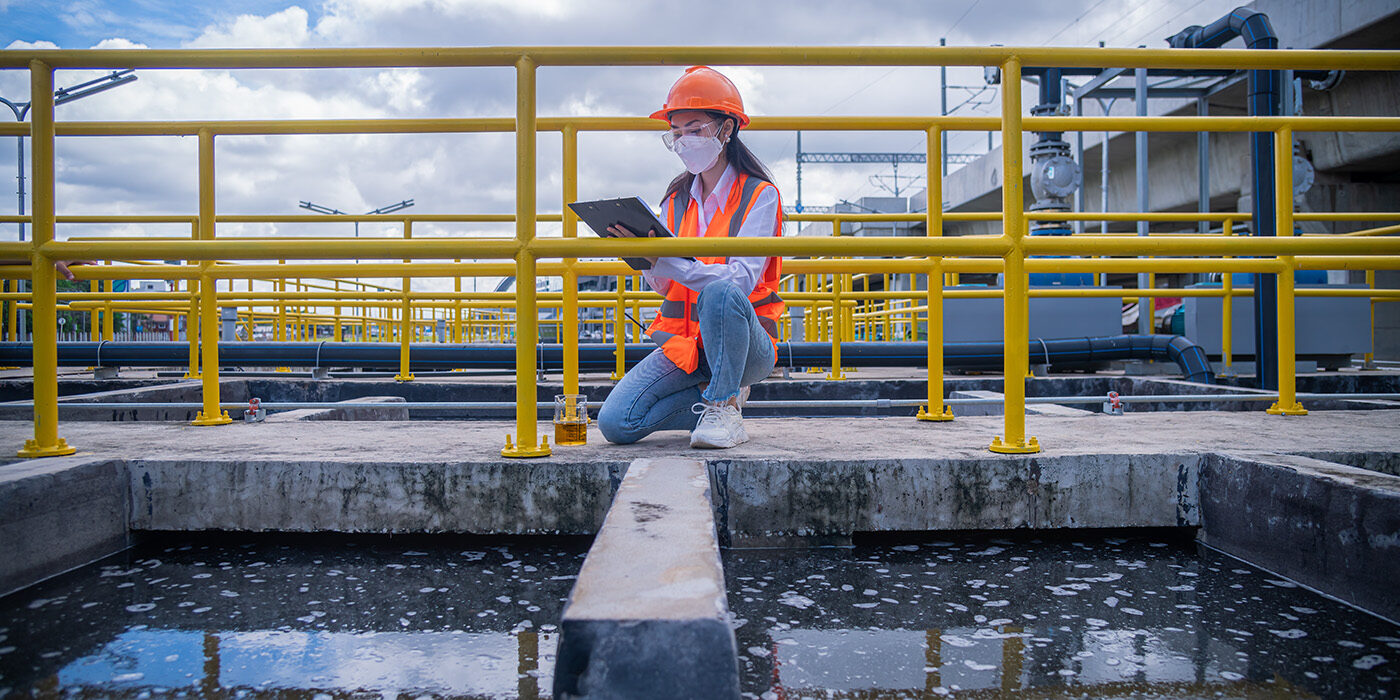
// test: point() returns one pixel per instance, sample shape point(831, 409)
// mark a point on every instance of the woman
point(718, 327)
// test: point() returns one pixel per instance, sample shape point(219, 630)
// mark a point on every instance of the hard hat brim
point(664, 114)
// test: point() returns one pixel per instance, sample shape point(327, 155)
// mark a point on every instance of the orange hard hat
point(703, 88)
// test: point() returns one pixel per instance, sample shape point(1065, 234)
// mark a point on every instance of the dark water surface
point(992, 618)
point(340, 617)
point(305, 618)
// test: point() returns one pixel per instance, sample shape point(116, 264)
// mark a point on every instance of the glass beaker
point(570, 419)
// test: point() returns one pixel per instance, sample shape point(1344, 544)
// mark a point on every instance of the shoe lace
point(710, 412)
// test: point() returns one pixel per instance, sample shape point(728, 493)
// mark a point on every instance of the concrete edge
point(768, 502)
point(648, 616)
point(491, 498)
point(1330, 526)
point(58, 514)
point(363, 408)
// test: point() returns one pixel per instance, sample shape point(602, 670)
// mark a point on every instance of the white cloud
point(285, 29)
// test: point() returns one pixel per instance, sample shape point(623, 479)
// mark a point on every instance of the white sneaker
point(720, 426)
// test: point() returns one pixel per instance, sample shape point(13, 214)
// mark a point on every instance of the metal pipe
point(815, 403)
point(599, 357)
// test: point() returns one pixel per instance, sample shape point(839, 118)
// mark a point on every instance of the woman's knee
point(721, 292)
point(613, 424)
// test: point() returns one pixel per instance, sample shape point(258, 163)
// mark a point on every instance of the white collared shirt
point(743, 272)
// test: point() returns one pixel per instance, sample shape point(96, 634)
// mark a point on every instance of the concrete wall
point(759, 500)
point(58, 514)
point(1328, 525)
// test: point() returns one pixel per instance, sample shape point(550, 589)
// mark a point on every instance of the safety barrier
point(933, 255)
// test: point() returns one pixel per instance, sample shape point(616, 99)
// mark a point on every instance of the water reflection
point(339, 618)
point(1119, 618)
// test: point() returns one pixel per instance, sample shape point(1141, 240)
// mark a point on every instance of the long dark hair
point(735, 152)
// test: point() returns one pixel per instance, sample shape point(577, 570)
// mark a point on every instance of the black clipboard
point(631, 212)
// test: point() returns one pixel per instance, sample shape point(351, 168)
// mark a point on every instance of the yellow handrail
point(527, 256)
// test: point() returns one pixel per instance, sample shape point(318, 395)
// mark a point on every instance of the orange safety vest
point(675, 328)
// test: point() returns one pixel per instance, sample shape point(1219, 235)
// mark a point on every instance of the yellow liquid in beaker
point(571, 433)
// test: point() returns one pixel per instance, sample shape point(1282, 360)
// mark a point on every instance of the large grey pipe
point(599, 357)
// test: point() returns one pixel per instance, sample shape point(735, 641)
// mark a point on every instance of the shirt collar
point(721, 191)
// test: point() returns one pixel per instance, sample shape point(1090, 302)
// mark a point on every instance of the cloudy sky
point(474, 173)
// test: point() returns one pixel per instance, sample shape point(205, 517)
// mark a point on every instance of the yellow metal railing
point(933, 255)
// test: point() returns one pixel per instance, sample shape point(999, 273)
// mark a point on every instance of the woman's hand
point(61, 266)
point(622, 231)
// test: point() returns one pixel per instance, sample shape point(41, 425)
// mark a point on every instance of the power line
point(965, 13)
point(1169, 21)
point(1073, 22)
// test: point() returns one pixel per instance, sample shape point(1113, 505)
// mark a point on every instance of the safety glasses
point(707, 129)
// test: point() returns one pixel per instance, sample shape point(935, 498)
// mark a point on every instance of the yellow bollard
point(1015, 306)
point(46, 442)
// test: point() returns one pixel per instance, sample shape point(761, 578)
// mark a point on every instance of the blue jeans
point(657, 395)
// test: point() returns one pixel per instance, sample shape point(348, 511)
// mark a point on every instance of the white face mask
point(698, 152)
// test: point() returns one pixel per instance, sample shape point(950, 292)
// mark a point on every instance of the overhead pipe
point(599, 357)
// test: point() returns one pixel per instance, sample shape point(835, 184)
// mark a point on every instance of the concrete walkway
point(815, 439)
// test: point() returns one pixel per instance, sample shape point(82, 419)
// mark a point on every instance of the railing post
point(935, 410)
point(1015, 304)
point(338, 327)
point(208, 291)
point(837, 321)
point(95, 315)
point(457, 308)
point(569, 314)
point(526, 313)
point(46, 442)
point(406, 320)
point(12, 322)
point(1287, 335)
point(1227, 306)
point(619, 330)
point(1368, 360)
